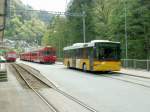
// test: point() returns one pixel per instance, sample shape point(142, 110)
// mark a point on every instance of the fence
point(136, 64)
point(60, 59)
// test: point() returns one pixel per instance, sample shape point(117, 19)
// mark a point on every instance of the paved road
point(102, 93)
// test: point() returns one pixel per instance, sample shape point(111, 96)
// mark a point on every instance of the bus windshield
point(108, 51)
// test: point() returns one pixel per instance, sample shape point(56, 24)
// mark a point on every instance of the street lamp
point(83, 18)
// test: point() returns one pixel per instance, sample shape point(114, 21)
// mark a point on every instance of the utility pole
point(83, 18)
point(59, 48)
point(125, 29)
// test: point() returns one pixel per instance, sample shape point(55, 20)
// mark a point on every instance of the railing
point(136, 64)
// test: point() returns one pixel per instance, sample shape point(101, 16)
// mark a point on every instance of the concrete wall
point(2, 18)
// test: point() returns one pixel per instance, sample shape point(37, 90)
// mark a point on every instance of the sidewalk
point(141, 73)
point(16, 97)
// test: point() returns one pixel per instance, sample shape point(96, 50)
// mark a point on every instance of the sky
point(48, 5)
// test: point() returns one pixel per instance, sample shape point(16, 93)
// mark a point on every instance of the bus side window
point(80, 53)
point(94, 52)
point(77, 54)
point(88, 51)
point(101, 53)
point(83, 53)
point(91, 53)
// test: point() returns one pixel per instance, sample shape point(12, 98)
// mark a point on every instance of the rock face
point(3, 73)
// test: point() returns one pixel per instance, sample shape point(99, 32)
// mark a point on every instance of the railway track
point(31, 81)
point(133, 79)
point(133, 75)
point(35, 83)
point(136, 81)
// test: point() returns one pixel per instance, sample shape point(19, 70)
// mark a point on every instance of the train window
point(33, 54)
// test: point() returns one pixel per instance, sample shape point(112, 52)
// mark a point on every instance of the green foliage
point(104, 19)
point(57, 34)
point(29, 26)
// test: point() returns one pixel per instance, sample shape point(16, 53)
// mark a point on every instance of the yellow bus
point(97, 55)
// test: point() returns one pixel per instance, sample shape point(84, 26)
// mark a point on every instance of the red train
point(43, 55)
point(11, 56)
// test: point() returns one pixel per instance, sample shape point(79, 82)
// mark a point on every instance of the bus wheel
point(84, 67)
point(68, 65)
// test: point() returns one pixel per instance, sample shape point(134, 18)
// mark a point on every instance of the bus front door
point(91, 58)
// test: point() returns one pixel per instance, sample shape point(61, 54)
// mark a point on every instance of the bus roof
point(89, 44)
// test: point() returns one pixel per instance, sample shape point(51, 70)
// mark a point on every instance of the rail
point(31, 85)
point(133, 79)
point(54, 88)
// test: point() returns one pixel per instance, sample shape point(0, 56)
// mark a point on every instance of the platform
point(17, 98)
point(3, 72)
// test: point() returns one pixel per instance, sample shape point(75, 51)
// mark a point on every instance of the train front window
point(47, 53)
point(109, 51)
